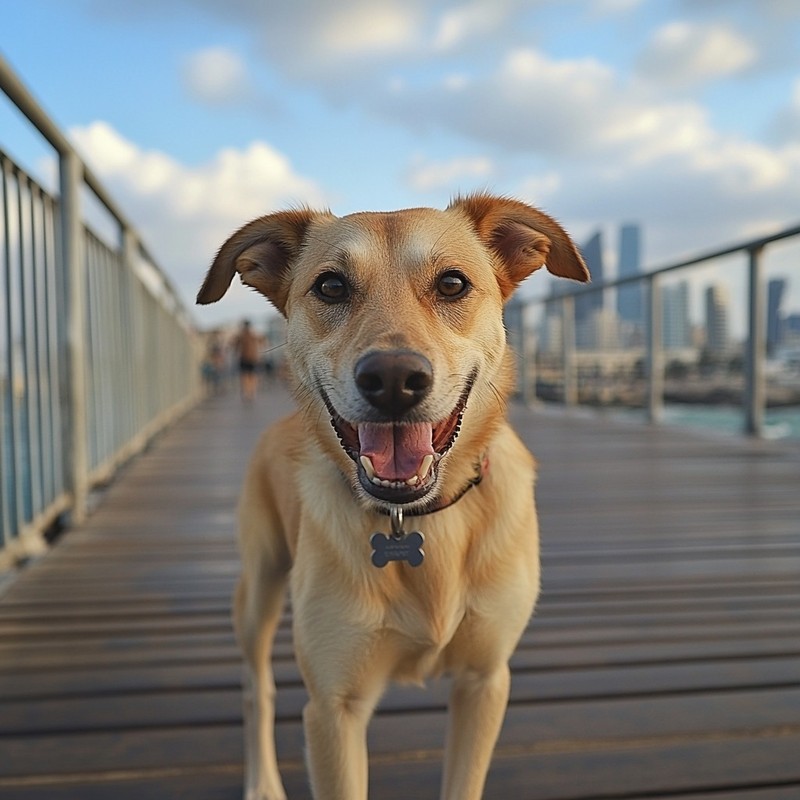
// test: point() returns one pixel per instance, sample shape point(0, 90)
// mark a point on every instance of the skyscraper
point(775, 291)
point(717, 319)
point(630, 297)
point(587, 304)
point(676, 328)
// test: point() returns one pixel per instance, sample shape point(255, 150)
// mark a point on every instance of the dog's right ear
point(262, 252)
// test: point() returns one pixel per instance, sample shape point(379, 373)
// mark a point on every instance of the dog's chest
point(420, 625)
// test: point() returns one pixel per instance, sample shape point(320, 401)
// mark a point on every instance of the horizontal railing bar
point(95, 359)
point(743, 247)
point(24, 100)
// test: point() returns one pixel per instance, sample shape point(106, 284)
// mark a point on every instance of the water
point(779, 423)
point(9, 473)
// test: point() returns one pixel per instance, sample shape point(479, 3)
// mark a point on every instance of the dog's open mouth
point(398, 462)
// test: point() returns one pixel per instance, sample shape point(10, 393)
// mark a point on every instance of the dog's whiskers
point(498, 395)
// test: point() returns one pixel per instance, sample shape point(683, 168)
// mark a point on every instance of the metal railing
point(97, 352)
point(576, 369)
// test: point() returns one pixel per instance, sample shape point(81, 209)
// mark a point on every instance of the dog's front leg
point(345, 672)
point(336, 738)
point(258, 605)
point(477, 707)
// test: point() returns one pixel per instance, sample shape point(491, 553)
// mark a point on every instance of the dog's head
point(395, 323)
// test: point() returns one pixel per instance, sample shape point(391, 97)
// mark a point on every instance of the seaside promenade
point(663, 660)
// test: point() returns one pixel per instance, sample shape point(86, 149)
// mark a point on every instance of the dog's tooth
point(376, 480)
point(366, 462)
point(413, 480)
point(425, 467)
point(386, 484)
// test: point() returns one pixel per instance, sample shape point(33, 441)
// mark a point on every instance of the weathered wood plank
point(664, 659)
point(608, 769)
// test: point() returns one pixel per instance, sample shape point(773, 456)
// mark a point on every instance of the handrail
point(92, 362)
point(754, 396)
point(748, 245)
point(23, 99)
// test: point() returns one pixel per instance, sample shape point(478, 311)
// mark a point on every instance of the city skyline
point(697, 312)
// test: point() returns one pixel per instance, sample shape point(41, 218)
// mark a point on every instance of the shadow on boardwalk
point(664, 658)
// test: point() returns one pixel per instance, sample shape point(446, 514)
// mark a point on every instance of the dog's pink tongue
point(396, 451)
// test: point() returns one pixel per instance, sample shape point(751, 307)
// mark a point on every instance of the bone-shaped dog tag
point(407, 547)
point(400, 546)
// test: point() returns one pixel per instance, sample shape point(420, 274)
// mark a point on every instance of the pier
point(663, 659)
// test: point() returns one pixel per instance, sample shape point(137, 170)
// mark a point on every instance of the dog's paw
point(265, 790)
point(268, 794)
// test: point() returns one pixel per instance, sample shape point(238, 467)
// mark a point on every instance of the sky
point(198, 115)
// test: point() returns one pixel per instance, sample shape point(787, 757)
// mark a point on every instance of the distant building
point(586, 305)
point(604, 330)
point(676, 328)
point(776, 289)
point(792, 324)
point(717, 314)
point(551, 331)
point(791, 330)
point(589, 304)
point(630, 304)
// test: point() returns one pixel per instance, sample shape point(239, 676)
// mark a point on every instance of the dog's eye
point(452, 284)
point(332, 288)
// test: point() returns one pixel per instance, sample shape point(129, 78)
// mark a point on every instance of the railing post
point(655, 352)
point(529, 360)
point(568, 350)
point(515, 336)
point(755, 389)
point(522, 361)
point(74, 394)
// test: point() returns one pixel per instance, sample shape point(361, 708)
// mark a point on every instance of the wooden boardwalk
point(664, 659)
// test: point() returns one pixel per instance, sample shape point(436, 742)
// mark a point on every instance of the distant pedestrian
point(248, 346)
point(214, 363)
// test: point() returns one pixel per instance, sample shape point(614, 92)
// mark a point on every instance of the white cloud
point(590, 142)
point(427, 176)
point(368, 27)
point(316, 40)
point(554, 108)
point(188, 211)
point(216, 76)
point(325, 42)
point(610, 7)
point(458, 25)
point(744, 168)
point(642, 132)
point(681, 54)
point(687, 200)
point(541, 188)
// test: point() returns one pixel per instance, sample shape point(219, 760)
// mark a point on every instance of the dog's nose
point(393, 380)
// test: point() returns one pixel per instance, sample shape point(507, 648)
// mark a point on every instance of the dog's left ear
point(523, 238)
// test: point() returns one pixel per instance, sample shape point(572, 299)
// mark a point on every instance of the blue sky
point(681, 115)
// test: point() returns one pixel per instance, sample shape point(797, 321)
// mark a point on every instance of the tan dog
point(401, 371)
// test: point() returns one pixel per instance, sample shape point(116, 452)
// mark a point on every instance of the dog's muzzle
point(397, 459)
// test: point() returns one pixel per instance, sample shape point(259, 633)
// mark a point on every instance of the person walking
point(248, 344)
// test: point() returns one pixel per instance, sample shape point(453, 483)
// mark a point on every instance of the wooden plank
point(535, 683)
point(405, 723)
point(664, 659)
point(545, 631)
point(608, 769)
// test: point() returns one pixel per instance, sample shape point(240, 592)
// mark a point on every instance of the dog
point(401, 373)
